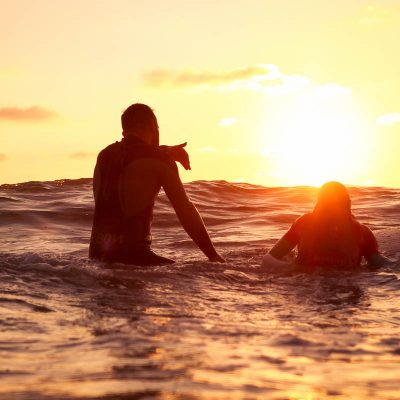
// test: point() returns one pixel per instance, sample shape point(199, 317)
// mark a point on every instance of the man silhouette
point(127, 178)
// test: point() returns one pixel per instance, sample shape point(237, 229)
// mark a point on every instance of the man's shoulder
point(128, 152)
point(109, 148)
point(145, 151)
point(109, 152)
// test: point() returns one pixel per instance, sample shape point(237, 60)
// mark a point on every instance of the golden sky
point(276, 92)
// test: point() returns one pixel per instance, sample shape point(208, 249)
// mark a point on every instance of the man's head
point(139, 120)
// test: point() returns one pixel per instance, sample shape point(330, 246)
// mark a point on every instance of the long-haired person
point(329, 237)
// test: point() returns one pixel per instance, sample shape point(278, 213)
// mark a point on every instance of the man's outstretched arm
point(188, 214)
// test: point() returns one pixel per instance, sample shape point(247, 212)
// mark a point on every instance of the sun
point(320, 139)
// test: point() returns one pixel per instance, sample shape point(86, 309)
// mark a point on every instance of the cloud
point(259, 77)
point(330, 90)
point(227, 121)
point(80, 155)
point(389, 119)
point(34, 113)
point(265, 78)
point(206, 149)
point(194, 78)
point(265, 152)
point(3, 157)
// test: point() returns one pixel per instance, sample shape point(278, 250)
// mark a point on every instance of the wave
point(73, 328)
point(70, 201)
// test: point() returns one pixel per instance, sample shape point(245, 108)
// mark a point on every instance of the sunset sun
point(319, 140)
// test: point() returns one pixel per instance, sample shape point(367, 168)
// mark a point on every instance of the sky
point(271, 92)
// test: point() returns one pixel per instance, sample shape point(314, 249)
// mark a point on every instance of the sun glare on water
point(319, 141)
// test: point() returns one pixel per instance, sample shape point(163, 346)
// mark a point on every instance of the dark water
point(72, 329)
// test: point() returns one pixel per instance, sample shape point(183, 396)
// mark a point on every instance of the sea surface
point(71, 328)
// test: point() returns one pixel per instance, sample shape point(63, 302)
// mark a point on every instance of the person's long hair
point(330, 238)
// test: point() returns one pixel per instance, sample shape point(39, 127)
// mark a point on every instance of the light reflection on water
point(315, 336)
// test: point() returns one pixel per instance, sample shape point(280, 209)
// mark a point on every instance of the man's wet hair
point(136, 117)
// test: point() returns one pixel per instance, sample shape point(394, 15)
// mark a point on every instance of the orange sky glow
point(270, 92)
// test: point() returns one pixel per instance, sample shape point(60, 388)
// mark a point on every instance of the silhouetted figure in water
point(127, 178)
point(329, 237)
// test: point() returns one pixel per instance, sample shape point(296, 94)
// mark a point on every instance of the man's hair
point(136, 117)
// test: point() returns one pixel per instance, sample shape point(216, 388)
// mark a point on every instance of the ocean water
point(71, 328)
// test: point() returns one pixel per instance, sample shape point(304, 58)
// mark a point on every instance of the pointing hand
point(178, 153)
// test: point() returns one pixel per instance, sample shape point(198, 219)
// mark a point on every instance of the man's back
point(126, 182)
point(127, 178)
